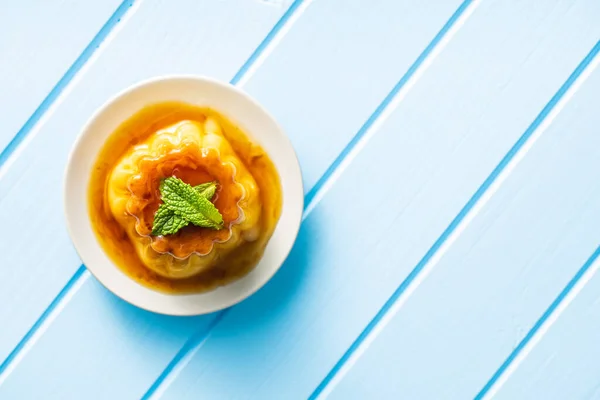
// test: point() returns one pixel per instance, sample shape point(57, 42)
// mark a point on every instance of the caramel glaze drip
point(114, 239)
point(184, 164)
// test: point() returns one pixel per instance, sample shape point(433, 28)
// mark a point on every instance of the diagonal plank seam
point(43, 322)
point(256, 59)
point(539, 329)
point(569, 292)
point(125, 10)
point(181, 359)
point(272, 40)
point(389, 103)
point(62, 88)
point(82, 274)
point(356, 144)
point(462, 220)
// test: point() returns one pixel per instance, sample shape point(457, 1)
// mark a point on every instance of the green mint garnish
point(207, 189)
point(187, 203)
point(166, 222)
point(184, 204)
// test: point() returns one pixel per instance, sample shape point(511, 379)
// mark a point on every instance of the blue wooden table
point(451, 160)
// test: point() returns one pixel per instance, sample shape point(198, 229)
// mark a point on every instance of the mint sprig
point(184, 204)
point(166, 222)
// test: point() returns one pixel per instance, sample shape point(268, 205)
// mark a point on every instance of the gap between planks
point(43, 322)
point(475, 204)
point(346, 156)
point(543, 325)
point(574, 286)
point(25, 135)
point(61, 90)
point(66, 84)
point(374, 122)
point(247, 70)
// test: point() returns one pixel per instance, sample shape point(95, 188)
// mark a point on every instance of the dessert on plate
point(183, 200)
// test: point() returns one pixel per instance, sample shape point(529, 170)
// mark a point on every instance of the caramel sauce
point(113, 237)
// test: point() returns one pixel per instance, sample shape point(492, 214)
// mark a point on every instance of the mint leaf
point(166, 222)
point(207, 189)
point(184, 201)
point(184, 204)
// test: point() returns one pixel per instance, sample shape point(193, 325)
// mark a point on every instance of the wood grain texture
point(129, 333)
point(45, 266)
point(560, 357)
point(499, 277)
point(564, 364)
point(323, 82)
point(447, 135)
point(40, 45)
point(297, 338)
point(341, 122)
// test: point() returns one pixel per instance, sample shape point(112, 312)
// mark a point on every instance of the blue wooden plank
point(425, 165)
point(323, 83)
point(148, 44)
point(521, 248)
point(561, 361)
point(339, 125)
point(132, 360)
point(42, 43)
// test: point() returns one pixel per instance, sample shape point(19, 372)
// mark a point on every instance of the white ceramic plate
point(239, 108)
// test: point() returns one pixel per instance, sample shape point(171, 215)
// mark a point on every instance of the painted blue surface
point(467, 269)
point(38, 170)
point(43, 45)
